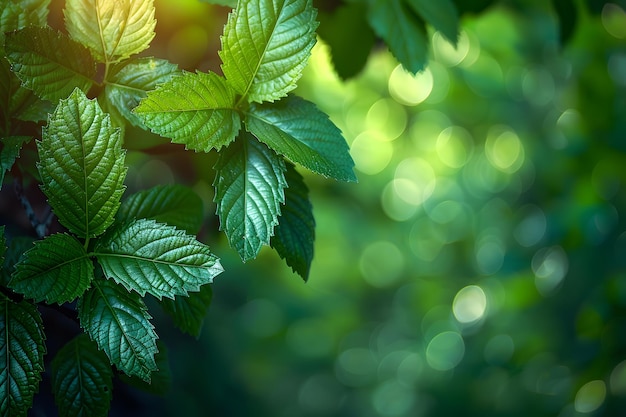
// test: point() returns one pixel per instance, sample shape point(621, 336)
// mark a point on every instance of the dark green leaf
point(349, 36)
point(175, 205)
point(295, 233)
point(16, 249)
point(188, 312)
point(82, 166)
point(295, 128)
point(82, 379)
point(161, 380)
point(21, 355)
point(17, 14)
point(266, 45)
point(248, 192)
point(49, 63)
point(129, 81)
point(9, 152)
point(402, 31)
point(197, 110)
point(146, 256)
point(118, 321)
point(113, 30)
point(441, 14)
point(57, 270)
point(568, 18)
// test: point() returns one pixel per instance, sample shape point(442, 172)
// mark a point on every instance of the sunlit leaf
point(21, 355)
point(9, 152)
point(57, 270)
point(82, 379)
point(196, 109)
point(295, 128)
point(249, 191)
point(188, 312)
point(113, 30)
point(266, 45)
point(402, 31)
point(82, 166)
point(118, 321)
point(295, 233)
point(147, 256)
point(129, 81)
point(175, 205)
point(49, 63)
point(441, 14)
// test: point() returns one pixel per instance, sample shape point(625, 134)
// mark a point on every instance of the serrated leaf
point(82, 379)
point(113, 30)
point(402, 31)
point(195, 109)
point(57, 269)
point(188, 312)
point(266, 45)
point(175, 205)
point(129, 81)
point(146, 256)
point(248, 192)
point(49, 63)
point(160, 381)
point(295, 128)
point(9, 152)
point(295, 233)
point(82, 166)
point(118, 321)
point(17, 14)
point(441, 14)
point(21, 355)
point(16, 249)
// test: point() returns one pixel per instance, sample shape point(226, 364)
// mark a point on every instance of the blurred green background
point(478, 268)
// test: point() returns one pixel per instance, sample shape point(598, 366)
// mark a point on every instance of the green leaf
point(295, 233)
point(296, 129)
point(402, 31)
point(160, 381)
point(129, 81)
point(21, 355)
point(82, 166)
point(441, 14)
point(175, 205)
point(195, 109)
point(9, 152)
point(82, 379)
point(229, 3)
point(118, 321)
point(266, 45)
point(349, 36)
point(248, 192)
point(17, 14)
point(16, 249)
point(188, 312)
point(146, 256)
point(57, 269)
point(113, 30)
point(49, 63)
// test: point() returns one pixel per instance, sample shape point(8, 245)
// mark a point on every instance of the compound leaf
point(21, 355)
point(113, 30)
point(402, 31)
point(129, 81)
point(295, 128)
point(248, 192)
point(118, 321)
point(57, 269)
point(173, 204)
point(188, 312)
point(195, 109)
point(266, 45)
point(442, 14)
point(295, 233)
point(49, 63)
point(147, 256)
point(82, 166)
point(82, 379)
